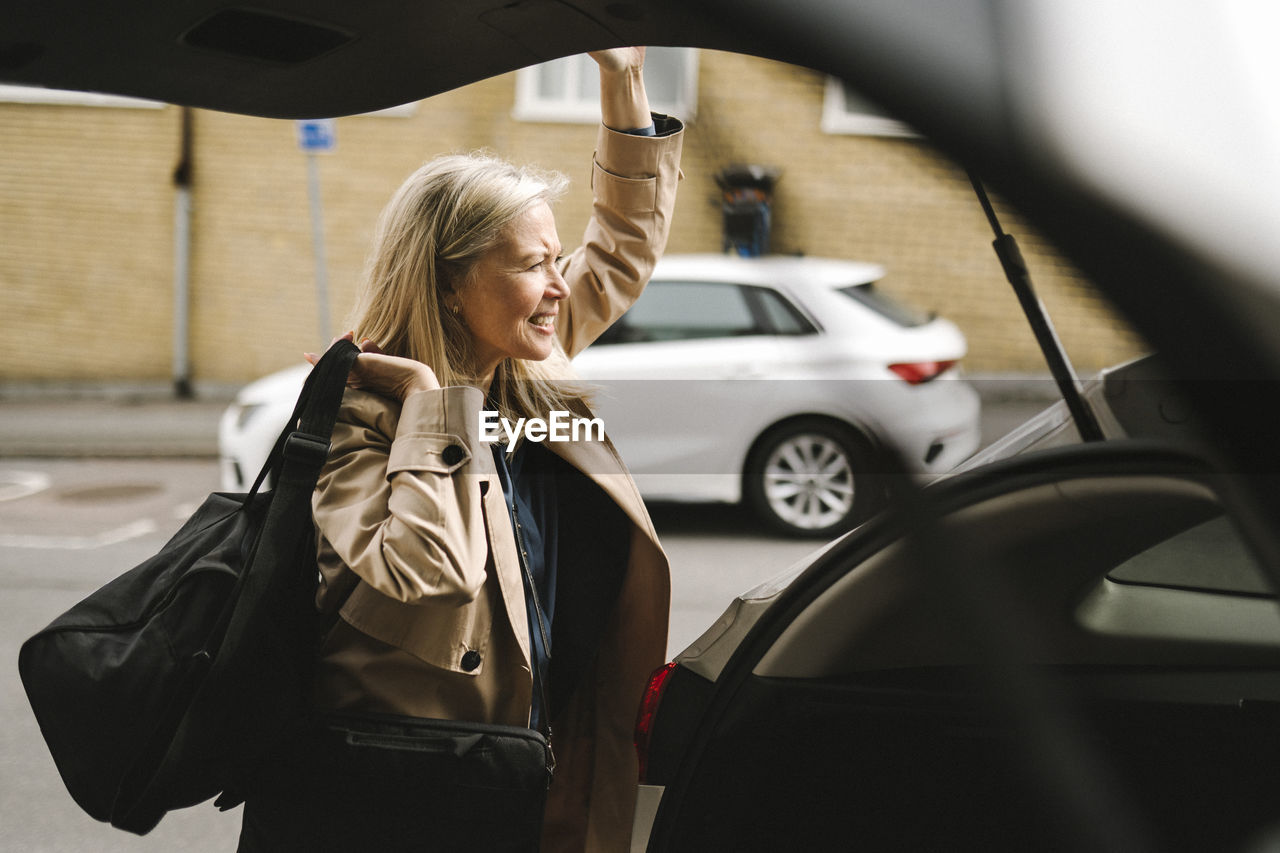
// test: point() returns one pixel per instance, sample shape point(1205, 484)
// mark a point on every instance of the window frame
point(11, 93)
point(838, 119)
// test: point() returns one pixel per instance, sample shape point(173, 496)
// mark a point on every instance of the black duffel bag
point(163, 688)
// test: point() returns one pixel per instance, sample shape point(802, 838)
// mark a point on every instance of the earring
point(456, 309)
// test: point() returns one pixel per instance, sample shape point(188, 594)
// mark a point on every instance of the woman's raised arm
point(624, 105)
point(633, 183)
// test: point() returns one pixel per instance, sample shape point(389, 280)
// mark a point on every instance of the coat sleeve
point(633, 186)
point(398, 500)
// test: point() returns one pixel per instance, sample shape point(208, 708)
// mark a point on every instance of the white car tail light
point(918, 372)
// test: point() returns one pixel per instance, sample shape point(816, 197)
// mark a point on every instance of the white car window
point(677, 311)
point(783, 317)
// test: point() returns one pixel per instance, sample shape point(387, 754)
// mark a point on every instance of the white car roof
point(792, 270)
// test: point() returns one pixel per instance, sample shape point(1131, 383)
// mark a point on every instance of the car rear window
point(886, 306)
point(782, 316)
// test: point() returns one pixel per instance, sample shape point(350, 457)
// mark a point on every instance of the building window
point(401, 111)
point(568, 89)
point(846, 111)
point(39, 95)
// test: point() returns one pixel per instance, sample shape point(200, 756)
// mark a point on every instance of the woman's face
point(511, 302)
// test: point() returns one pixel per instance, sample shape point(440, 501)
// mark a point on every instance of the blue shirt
point(529, 487)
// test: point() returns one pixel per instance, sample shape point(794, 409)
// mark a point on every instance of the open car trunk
point(1087, 613)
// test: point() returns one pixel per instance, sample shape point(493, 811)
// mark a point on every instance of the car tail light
point(648, 711)
point(918, 372)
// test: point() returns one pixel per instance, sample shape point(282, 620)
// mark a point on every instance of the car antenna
point(1015, 270)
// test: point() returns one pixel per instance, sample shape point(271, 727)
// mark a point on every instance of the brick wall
point(85, 241)
point(86, 210)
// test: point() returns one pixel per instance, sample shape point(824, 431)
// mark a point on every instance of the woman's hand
point(388, 375)
point(623, 102)
point(617, 59)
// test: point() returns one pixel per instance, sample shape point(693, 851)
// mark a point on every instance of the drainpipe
point(182, 263)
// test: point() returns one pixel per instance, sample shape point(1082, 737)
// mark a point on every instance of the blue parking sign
point(318, 134)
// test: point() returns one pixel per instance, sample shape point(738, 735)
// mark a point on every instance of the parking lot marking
point(22, 484)
point(133, 530)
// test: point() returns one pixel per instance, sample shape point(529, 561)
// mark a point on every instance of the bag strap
point(539, 676)
point(297, 458)
point(542, 627)
point(286, 531)
point(311, 424)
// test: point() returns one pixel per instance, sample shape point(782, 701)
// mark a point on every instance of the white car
point(771, 379)
point(767, 380)
point(251, 424)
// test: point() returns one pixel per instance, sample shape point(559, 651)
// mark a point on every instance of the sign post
point(316, 136)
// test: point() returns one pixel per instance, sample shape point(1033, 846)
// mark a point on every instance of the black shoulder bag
point(165, 686)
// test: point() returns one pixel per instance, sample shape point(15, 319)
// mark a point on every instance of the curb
point(116, 427)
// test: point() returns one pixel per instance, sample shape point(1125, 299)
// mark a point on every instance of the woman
point(468, 306)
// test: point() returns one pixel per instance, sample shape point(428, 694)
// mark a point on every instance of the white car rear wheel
point(809, 478)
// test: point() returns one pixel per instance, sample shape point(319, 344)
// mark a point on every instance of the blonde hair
point(428, 240)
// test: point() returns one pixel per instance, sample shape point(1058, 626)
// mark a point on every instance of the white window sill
point(37, 95)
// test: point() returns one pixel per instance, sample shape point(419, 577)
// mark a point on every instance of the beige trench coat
point(415, 539)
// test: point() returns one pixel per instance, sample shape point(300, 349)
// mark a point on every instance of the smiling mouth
point(543, 321)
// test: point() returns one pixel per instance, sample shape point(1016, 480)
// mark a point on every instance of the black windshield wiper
point(1015, 270)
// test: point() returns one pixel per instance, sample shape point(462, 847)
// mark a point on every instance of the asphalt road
point(67, 526)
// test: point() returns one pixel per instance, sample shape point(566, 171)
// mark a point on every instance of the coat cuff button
point(452, 455)
point(470, 661)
